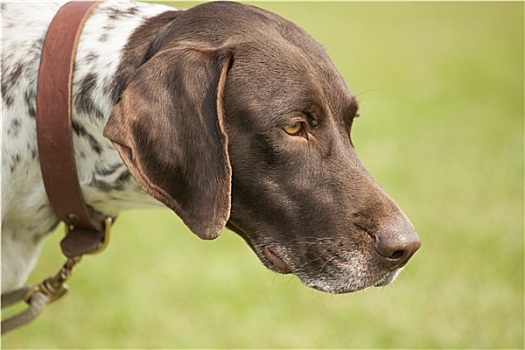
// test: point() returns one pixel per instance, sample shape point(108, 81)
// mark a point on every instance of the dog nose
point(397, 247)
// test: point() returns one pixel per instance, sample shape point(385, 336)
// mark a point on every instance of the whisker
point(326, 263)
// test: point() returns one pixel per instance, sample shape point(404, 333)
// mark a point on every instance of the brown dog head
point(231, 115)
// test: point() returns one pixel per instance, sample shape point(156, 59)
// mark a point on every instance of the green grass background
point(441, 90)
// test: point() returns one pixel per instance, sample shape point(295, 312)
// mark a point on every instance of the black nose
point(396, 247)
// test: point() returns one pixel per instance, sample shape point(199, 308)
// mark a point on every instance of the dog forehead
point(292, 71)
point(278, 68)
point(281, 79)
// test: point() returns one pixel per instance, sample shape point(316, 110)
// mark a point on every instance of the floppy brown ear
point(168, 129)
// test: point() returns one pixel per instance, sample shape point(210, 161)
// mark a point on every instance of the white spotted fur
point(26, 214)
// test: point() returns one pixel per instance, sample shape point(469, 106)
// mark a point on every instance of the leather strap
point(54, 126)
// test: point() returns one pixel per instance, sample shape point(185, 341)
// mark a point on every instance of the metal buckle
point(86, 241)
point(108, 221)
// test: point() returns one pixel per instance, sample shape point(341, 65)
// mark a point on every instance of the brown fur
point(201, 107)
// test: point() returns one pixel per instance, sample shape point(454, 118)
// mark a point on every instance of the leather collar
point(86, 228)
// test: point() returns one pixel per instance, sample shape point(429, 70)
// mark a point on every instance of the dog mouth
point(266, 252)
point(342, 281)
point(339, 272)
point(276, 261)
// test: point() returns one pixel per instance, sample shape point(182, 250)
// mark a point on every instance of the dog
point(227, 114)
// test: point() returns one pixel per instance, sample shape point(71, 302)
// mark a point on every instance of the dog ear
point(169, 129)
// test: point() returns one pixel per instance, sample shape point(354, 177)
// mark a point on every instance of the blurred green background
point(441, 92)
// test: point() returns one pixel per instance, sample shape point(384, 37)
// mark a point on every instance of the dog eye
point(294, 129)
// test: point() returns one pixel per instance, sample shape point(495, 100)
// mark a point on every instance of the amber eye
point(294, 129)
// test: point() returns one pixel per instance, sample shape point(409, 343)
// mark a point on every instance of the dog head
point(236, 117)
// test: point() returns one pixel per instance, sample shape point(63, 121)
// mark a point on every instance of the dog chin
point(349, 286)
point(272, 260)
point(389, 278)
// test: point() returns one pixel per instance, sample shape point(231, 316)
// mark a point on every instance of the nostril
point(389, 251)
point(396, 248)
point(398, 254)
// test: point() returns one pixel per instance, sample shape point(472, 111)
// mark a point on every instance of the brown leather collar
point(57, 159)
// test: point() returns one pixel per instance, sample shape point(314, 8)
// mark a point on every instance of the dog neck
point(105, 181)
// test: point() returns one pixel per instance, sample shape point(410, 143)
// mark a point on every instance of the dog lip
point(276, 261)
